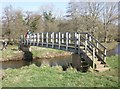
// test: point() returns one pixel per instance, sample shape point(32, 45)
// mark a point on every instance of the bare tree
point(110, 15)
point(7, 19)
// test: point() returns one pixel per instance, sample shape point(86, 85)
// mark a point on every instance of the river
point(115, 51)
point(65, 61)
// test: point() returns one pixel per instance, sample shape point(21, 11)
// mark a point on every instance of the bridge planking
point(80, 43)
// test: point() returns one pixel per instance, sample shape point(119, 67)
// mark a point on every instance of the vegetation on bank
point(12, 53)
point(110, 45)
point(45, 76)
point(47, 52)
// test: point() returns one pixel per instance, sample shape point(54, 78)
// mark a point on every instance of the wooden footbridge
point(83, 44)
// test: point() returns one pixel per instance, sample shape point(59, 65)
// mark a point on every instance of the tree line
point(98, 18)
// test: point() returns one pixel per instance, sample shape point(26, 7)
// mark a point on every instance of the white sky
point(34, 5)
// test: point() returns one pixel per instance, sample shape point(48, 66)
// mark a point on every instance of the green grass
point(40, 51)
point(45, 76)
point(12, 51)
point(8, 52)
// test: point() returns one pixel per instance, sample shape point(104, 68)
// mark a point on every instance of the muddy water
point(66, 61)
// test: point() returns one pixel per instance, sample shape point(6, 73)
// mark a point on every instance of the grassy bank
point(12, 52)
point(45, 76)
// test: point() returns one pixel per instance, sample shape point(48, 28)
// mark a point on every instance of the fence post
point(56, 37)
point(59, 40)
point(66, 40)
point(86, 43)
point(38, 36)
point(105, 55)
point(33, 38)
point(69, 38)
point(93, 58)
point(89, 39)
point(42, 38)
point(30, 38)
point(97, 47)
point(79, 43)
point(62, 38)
point(75, 35)
point(52, 39)
point(47, 39)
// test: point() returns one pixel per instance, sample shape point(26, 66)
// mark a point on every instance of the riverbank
point(45, 76)
point(110, 46)
point(12, 53)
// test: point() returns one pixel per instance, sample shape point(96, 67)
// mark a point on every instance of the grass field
point(45, 76)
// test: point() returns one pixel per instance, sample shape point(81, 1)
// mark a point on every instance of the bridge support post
point(69, 38)
point(52, 39)
point(89, 39)
point(42, 38)
point(38, 38)
point(75, 35)
point(62, 38)
point(59, 39)
point(47, 39)
point(56, 37)
point(105, 56)
point(93, 58)
point(79, 43)
point(66, 40)
point(97, 47)
point(86, 43)
point(34, 36)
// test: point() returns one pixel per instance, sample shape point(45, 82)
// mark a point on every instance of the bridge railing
point(68, 39)
point(90, 43)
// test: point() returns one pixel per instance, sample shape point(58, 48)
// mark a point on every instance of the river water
point(115, 51)
point(65, 61)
